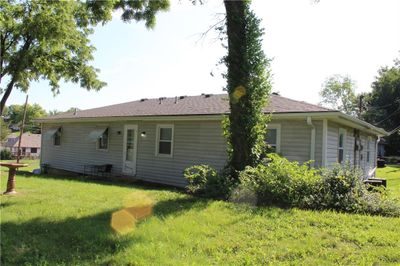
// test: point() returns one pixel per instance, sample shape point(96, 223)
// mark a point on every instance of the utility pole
point(360, 105)
point(22, 130)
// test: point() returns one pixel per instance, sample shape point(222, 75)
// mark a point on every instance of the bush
point(206, 181)
point(342, 188)
point(339, 188)
point(278, 181)
point(5, 155)
point(378, 203)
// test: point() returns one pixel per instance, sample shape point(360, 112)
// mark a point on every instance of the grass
point(67, 222)
point(392, 174)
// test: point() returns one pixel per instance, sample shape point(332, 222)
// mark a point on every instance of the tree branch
point(204, 34)
point(18, 68)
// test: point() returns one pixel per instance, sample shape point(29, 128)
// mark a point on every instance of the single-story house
point(156, 139)
point(30, 144)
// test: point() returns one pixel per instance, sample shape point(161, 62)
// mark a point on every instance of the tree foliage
point(338, 93)
point(4, 131)
point(50, 39)
point(54, 112)
point(16, 113)
point(383, 104)
point(248, 86)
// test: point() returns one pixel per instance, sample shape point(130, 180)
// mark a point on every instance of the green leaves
point(338, 93)
point(383, 104)
point(248, 86)
point(45, 40)
point(15, 113)
point(50, 39)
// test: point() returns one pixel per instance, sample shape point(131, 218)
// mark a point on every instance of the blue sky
point(306, 41)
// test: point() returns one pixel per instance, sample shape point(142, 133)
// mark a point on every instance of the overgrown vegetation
point(280, 182)
point(248, 86)
point(206, 181)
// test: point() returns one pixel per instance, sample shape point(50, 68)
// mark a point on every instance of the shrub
point(278, 181)
point(206, 181)
point(340, 188)
point(5, 155)
point(378, 203)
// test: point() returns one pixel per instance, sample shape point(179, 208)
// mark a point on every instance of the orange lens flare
point(137, 206)
point(123, 222)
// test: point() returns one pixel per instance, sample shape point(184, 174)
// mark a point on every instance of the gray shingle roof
point(190, 105)
point(29, 140)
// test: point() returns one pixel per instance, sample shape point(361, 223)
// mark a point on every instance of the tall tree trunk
point(248, 87)
point(7, 93)
point(237, 77)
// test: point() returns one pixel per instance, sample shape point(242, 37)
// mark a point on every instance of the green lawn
point(392, 175)
point(64, 221)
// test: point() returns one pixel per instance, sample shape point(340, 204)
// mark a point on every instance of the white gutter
point(312, 146)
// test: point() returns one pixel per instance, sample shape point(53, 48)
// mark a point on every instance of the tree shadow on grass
point(87, 240)
point(178, 206)
point(71, 241)
point(128, 183)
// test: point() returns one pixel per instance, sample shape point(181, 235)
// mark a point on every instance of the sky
point(306, 41)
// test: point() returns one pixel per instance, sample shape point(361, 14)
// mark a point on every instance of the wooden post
point(22, 130)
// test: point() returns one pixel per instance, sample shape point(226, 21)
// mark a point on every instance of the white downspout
point(324, 141)
point(376, 156)
point(312, 146)
point(41, 146)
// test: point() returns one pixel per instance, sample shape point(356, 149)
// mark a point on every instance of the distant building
point(30, 144)
point(381, 147)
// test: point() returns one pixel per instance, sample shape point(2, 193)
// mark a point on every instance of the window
point(57, 137)
point(341, 145)
point(102, 141)
point(273, 137)
point(368, 148)
point(33, 150)
point(164, 144)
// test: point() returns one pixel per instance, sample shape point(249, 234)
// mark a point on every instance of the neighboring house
point(156, 139)
point(30, 144)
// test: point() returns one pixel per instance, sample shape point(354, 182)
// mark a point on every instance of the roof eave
point(130, 118)
point(371, 128)
point(215, 117)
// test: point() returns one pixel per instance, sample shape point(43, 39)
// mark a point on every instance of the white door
point(130, 149)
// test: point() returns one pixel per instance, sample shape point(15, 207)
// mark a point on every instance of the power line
point(380, 107)
point(397, 111)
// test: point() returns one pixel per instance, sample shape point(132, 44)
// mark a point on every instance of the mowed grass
point(392, 174)
point(67, 222)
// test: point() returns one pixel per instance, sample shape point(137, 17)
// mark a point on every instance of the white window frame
point(54, 137)
point(158, 128)
point(108, 141)
point(344, 132)
point(278, 136)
